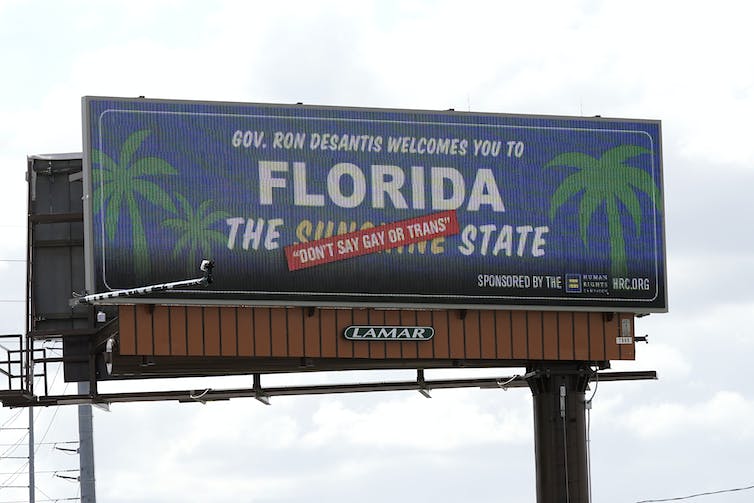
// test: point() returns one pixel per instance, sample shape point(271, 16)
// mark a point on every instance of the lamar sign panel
point(346, 206)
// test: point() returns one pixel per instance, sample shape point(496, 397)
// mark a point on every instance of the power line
point(15, 416)
point(46, 471)
point(38, 445)
point(36, 487)
point(43, 443)
point(680, 498)
point(20, 471)
point(53, 500)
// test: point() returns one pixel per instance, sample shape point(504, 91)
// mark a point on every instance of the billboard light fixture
point(199, 397)
point(108, 355)
point(504, 384)
point(206, 267)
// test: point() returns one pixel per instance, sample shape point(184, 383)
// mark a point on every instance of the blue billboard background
point(554, 212)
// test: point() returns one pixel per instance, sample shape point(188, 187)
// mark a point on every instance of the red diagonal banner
point(371, 240)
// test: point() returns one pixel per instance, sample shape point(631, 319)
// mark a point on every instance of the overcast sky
point(686, 63)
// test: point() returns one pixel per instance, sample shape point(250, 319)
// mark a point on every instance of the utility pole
point(86, 449)
point(558, 390)
point(31, 455)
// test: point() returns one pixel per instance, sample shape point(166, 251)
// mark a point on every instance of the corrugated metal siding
point(56, 258)
point(154, 330)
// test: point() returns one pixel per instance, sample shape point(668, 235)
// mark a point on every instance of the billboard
point(330, 206)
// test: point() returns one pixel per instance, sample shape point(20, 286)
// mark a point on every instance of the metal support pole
point(32, 483)
point(560, 431)
point(86, 449)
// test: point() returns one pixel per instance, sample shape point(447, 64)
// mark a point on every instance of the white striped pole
point(206, 266)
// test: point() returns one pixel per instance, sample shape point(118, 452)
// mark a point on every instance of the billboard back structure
point(327, 206)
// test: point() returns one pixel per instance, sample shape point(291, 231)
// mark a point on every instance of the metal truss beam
point(20, 399)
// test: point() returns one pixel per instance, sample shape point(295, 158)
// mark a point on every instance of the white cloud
point(441, 423)
point(726, 413)
point(669, 361)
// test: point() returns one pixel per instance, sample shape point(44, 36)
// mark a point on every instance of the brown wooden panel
point(212, 331)
point(503, 334)
point(441, 340)
point(455, 332)
point(144, 340)
point(534, 335)
point(312, 345)
point(550, 349)
point(177, 335)
point(295, 331)
point(228, 331)
point(565, 336)
point(328, 327)
point(393, 349)
point(127, 328)
point(262, 332)
point(425, 349)
point(487, 335)
point(612, 351)
point(377, 349)
point(360, 348)
point(245, 334)
point(301, 332)
point(581, 336)
point(161, 331)
point(596, 336)
point(343, 347)
point(410, 349)
point(519, 330)
point(279, 331)
point(472, 336)
point(194, 331)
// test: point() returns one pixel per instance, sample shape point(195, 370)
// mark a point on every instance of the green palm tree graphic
point(606, 181)
point(196, 230)
point(119, 184)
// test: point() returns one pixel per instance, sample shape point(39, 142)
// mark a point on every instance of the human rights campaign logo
point(573, 283)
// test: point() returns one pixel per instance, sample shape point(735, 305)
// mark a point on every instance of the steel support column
point(560, 431)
